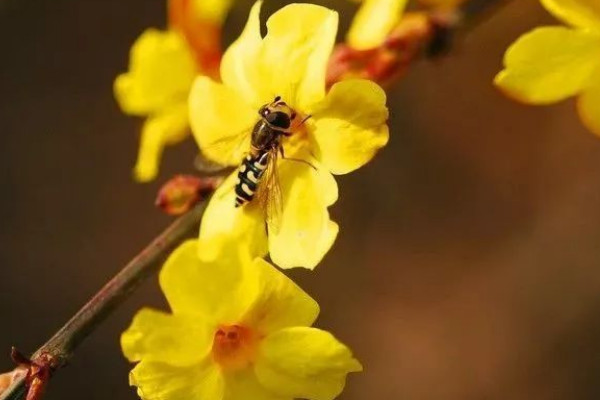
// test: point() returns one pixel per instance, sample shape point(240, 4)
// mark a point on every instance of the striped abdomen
point(249, 175)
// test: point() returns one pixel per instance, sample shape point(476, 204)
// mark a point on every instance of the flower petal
point(221, 121)
point(372, 23)
point(160, 381)
point(207, 285)
point(291, 60)
point(350, 125)
point(156, 336)
point(161, 71)
point(589, 105)
point(305, 232)
point(245, 225)
point(579, 13)
point(549, 64)
point(305, 363)
point(243, 385)
point(279, 303)
point(238, 66)
point(295, 53)
point(170, 126)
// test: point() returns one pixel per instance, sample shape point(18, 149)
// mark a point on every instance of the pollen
point(234, 347)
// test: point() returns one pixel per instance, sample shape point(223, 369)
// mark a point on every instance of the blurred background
point(468, 263)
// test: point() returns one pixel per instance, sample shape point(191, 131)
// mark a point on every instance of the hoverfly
point(257, 173)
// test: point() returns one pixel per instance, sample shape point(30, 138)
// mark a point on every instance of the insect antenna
point(305, 119)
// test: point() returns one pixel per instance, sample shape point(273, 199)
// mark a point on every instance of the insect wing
point(231, 146)
point(269, 195)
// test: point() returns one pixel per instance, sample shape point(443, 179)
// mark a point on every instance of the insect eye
point(279, 119)
point(264, 111)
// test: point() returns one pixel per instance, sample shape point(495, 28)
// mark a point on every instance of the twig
point(57, 351)
point(476, 12)
point(428, 33)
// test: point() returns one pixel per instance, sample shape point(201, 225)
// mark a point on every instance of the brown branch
point(428, 33)
point(57, 351)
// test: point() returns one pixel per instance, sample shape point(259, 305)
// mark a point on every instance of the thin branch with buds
point(405, 44)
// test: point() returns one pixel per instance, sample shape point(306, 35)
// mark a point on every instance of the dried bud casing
point(415, 34)
point(182, 192)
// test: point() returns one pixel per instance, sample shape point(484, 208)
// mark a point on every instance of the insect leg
point(283, 157)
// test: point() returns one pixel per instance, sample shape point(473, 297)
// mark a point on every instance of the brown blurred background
point(468, 264)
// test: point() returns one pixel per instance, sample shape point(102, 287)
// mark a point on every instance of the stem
point(60, 347)
point(476, 12)
point(57, 351)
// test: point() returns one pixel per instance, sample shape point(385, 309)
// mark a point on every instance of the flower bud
point(182, 192)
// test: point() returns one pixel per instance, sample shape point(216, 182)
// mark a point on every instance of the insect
point(265, 146)
point(257, 174)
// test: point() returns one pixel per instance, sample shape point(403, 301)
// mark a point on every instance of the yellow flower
point(162, 67)
point(344, 130)
point(550, 64)
point(239, 329)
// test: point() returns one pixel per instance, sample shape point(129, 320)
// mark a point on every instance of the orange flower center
point(234, 346)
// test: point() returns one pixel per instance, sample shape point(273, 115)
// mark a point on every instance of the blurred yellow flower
point(344, 130)
point(550, 64)
point(239, 329)
point(373, 22)
point(162, 67)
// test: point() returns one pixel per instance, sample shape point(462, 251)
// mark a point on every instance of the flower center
point(234, 346)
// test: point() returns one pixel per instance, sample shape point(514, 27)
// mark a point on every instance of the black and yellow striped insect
point(257, 174)
point(265, 146)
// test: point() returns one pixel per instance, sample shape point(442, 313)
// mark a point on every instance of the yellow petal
point(589, 105)
point(221, 121)
point(239, 67)
point(291, 60)
point(168, 127)
point(243, 385)
point(207, 285)
point(305, 232)
point(161, 71)
point(279, 302)
point(245, 225)
point(350, 125)
point(549, 64)
point(173, 339)
point(373, 22)
point(579, 13)
point(160, 381)
point(213, 10)
point(304, 363)
point(295, 53)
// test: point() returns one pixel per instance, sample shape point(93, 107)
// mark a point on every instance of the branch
point(57, 351)
point(428, 33)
